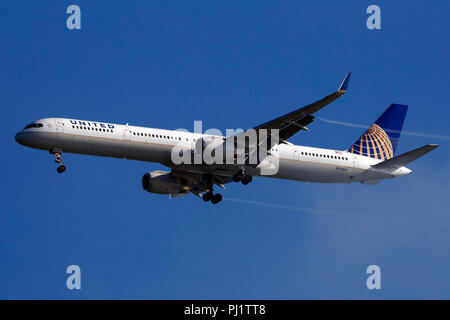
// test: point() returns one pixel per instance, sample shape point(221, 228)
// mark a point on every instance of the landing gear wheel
point(217, 197)
point(247, 179)
point(242, 177)
point(58, 159)
point(207, 196)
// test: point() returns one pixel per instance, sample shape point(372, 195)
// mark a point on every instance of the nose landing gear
point(61, 168)
point(57, 153)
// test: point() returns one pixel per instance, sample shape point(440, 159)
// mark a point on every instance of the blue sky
point(230, 64)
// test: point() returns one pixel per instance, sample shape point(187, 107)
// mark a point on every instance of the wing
point(300, 117)
point(288, 124)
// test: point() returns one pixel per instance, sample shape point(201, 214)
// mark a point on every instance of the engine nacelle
point(162, 182)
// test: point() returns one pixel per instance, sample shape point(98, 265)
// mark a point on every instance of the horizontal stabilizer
point(405, 158)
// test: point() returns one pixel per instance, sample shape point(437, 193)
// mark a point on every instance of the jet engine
point(162, 182)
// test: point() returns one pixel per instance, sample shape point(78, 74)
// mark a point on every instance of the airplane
point(369, 160)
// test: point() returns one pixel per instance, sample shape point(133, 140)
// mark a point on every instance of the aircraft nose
point(20, 137)
point(17, 137)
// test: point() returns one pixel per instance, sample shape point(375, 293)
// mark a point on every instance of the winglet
point(344, 84)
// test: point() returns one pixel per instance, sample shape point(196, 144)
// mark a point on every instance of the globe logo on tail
point(374, 143)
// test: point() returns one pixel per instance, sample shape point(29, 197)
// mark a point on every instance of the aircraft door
point(126, 132)
point(296, 155)
point(355, 170)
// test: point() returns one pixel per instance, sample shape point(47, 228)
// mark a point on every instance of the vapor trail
point(337, 213)
point(410, 133)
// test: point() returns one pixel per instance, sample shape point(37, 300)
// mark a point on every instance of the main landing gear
point(242, 177)
point(57, 152)
point(209, 195)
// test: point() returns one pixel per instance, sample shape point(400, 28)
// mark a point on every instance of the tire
point(61, 169)
point(218, 197)
point(236, 178)
point(206, 197)
point(249, 178)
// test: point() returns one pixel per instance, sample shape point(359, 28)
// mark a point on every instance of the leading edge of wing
point(295, 115)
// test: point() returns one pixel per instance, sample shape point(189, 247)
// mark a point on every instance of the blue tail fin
point(381, 139)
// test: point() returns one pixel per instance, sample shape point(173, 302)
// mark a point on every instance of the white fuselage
point(155, 145)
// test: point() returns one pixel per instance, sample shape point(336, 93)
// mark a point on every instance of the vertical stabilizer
point(381, 139)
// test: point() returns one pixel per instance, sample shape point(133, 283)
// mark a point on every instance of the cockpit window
point(34, 125)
